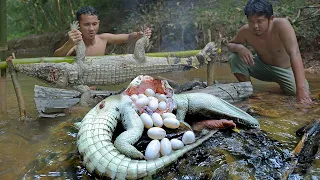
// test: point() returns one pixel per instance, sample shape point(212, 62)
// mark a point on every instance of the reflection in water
point(44, 148)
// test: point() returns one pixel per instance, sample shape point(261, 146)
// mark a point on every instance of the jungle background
point(38, 27)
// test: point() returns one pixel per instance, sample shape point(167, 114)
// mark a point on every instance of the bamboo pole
point(17, 88)
point(3, 52)
point(70, 59)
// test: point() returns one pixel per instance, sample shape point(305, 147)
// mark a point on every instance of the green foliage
point(27, 17)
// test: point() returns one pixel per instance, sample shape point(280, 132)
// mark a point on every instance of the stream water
point(45, 148)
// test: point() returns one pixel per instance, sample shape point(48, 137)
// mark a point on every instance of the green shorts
point(264, 72)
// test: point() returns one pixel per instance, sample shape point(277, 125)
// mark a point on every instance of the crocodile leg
point(134, 129)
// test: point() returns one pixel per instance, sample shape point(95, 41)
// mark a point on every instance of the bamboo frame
point(70, 59)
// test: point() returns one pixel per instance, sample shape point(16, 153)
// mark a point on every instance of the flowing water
point(45, 148)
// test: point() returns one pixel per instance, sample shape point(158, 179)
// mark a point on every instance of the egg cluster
point(155, 113)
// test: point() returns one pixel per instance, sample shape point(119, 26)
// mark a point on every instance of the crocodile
point(119, 159)
point(115, 69)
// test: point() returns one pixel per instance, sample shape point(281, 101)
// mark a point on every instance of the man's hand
point(246, 55)
point(303, 97)
point(147, 32)
point(74, 36)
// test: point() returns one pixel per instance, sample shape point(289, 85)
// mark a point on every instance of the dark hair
point(86, 10)
point(259, 8)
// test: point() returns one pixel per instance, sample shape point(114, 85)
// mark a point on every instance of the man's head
point(87, 17)
point(259, 14)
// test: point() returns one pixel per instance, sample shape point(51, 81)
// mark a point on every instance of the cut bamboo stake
point(210, 65)
point(17, 88)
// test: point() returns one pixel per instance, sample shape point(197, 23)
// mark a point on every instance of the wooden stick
point(17, 88)
point(210, 65)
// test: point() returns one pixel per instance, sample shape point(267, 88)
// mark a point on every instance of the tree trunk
point(71, 8)
point(3, 52)
point(59, 12)
point(36, 7)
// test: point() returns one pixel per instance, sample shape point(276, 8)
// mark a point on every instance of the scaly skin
point(121, 159)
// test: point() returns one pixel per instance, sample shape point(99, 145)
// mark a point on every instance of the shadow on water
point(46, 148)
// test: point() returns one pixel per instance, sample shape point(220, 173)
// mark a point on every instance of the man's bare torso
point(269, 46)
point(98, 48)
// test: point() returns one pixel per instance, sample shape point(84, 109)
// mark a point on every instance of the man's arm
point(288, 37)
point(125, 38)
point(65, 50)
point(68, 48)
point(119, 38)
point(236, 45)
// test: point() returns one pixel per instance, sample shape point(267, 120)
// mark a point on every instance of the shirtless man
point(95, 43)
point(278, 58)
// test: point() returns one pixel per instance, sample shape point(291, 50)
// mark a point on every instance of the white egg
point(153, 104)
point(166, 115)
point(157, 95)
point(188, 137)
point(141, 102)
point(162, 105)
point(134, 97)
point(176, 144)
point(165, 147)
point(156, 133)
point(152, 150)
point(151, 97)
point(157, 120)
point(147, 120)
point(141, 95)
point(149, 92)
point(162, 97)
point(171, 123)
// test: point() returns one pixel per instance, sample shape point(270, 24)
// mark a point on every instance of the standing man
point(278, 57)
point(95, 43)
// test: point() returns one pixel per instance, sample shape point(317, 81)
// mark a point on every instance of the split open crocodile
point(122, 160)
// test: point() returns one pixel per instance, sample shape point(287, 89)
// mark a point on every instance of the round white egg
point(162, 105)
point(157, 120)
point(152, 150)
point(166, 115)
point(149, 92)
point(165, 147)
point(171, 123)
point(141, 102)
point(156, 133)
point(141, 95)
point(162, 97)
point(153, 104)
point(176, 144)
point(147, 120)
point(134, 97)
point(188, 137)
